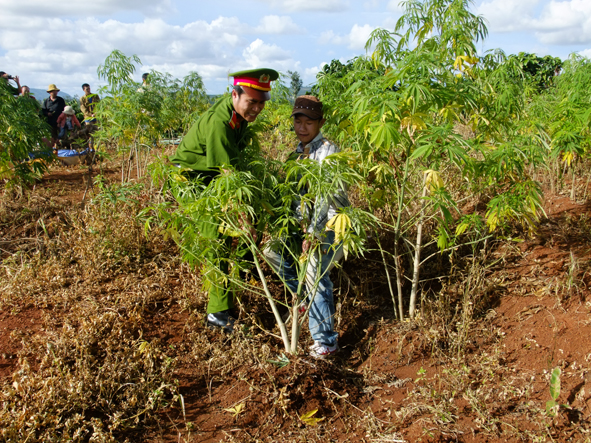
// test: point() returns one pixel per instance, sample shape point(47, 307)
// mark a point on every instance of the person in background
point(145, 86)
point(215, 140)
point(26, 93)
point(52, 108)
point(4, 77)
point(66, 122)
point(308, 119)
point(87, 103)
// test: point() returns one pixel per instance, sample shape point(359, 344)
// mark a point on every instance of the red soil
point(538, 322)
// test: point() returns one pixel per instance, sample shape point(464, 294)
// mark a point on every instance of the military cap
point(256, 81)
point(309, 106)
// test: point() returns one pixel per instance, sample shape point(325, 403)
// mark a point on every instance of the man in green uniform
point(215, 140)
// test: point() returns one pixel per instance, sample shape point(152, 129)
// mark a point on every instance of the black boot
point(223, 319)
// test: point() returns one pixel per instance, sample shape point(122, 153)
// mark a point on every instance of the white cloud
point(359, 36)
point(45, 8)
point(508, 15)
point(356, 38)
point(259, 54)
point(309, 75)
point(329, 37)
point(68, 51)
point(586, 53)
point(311, 72)
point(309, 5)
point(394, 5)
point(273, 24)
point(555, 22)
point(564, 23)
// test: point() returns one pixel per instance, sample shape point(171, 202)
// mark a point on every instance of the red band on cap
point(262, 84)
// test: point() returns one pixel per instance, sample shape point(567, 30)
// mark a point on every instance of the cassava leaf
point(309, 419)
point(555, 384)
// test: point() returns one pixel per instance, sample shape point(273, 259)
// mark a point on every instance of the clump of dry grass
point(91, 373)
point(85, 251)
point(94, 378)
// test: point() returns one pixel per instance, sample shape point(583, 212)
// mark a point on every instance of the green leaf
point(281, 362)
point(551, 407)
point(442, 240)
point(555, 384)
point(384, 133)
point(422, 151)
point(462, 228)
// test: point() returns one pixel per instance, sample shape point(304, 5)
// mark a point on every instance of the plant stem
point(417, 258)
point(280, 323)
point(296, 327)
point(398, 281)
point(572, 189)
point(391, 289)
point(397, 232)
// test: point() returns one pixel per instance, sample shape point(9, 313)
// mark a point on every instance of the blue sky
point(46, 41)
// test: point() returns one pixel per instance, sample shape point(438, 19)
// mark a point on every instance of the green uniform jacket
point(216, 139)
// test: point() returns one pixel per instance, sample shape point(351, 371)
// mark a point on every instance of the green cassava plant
point(402, 112)
point(22, 134)
point(568, 118)
point(134, 117)
point(552, 405)
point(262, 193)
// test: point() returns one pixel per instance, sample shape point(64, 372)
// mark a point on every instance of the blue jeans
point(67, 126)
point(318, 292)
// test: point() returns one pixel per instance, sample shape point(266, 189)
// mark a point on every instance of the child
point(66, 121)
point(308, 119)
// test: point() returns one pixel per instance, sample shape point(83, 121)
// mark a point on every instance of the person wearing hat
point(66, 121)
point(308, 119)
point(52, 108)
point(215, 140)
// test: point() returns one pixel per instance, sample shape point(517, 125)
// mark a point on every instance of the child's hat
point(308, 105)
point(69, 110)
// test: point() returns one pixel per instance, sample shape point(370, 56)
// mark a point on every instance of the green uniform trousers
point(221, 296)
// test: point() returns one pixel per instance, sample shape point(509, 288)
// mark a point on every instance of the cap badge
point(265, 78)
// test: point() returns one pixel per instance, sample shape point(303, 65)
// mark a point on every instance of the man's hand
point(306, 245)
point(246, 224)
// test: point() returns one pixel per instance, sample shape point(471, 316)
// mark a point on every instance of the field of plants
point(462, 307)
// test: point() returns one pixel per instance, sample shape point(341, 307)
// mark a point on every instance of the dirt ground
point(392, 381)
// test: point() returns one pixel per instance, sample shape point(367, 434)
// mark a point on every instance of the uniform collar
point(234, 121)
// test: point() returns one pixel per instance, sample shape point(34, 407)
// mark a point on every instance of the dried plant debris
point(94, 378)
point(107, 340)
